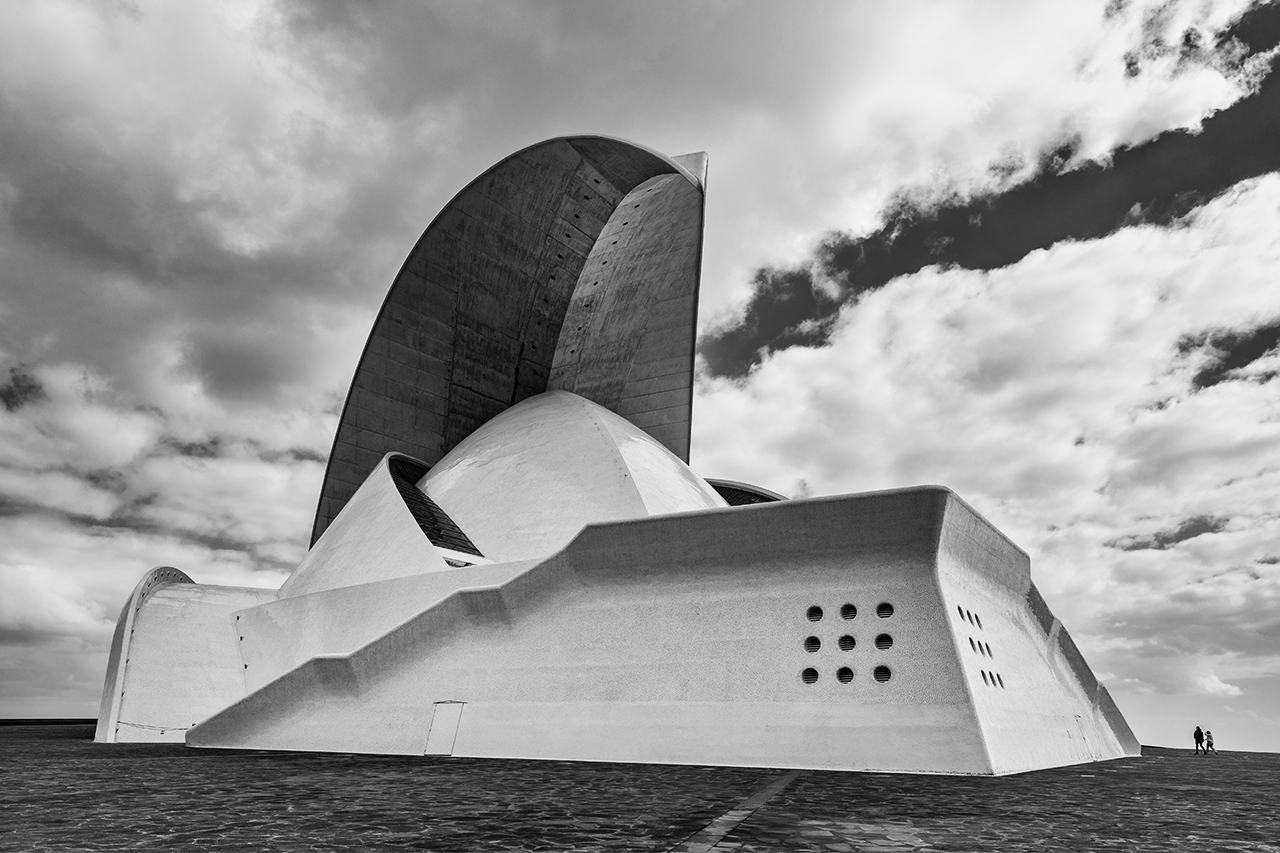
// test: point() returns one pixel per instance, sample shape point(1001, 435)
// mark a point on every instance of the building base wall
point(690, 639)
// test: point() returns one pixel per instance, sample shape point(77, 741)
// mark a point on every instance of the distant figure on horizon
point(1199, 737)
point(1208, 742)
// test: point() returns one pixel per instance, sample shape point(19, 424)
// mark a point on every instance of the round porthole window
point(848, 611)
point(844, 675)
point(809, 675)
point(884, 610)
point(882, 674)
point(847, 643)
point(814, 613)
point(812, 644)
point(884, 641)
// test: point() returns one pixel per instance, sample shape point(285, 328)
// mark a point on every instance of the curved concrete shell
point(523, 485)
point(574, 265)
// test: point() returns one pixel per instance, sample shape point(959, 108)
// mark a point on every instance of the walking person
point(1199, 739)
point(1208, 742)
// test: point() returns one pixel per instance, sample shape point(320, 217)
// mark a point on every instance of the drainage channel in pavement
point(705, 839)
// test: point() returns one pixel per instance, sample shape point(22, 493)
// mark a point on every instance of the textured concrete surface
point(706, 638)
point(571, 264)
point(60, 792)
point(174, 657)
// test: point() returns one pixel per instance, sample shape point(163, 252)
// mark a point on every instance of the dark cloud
point(1228, 351)
point(127, 520)
point(1163, 540)
point(104, 478)
point(1158, 182)
point(88, 219)
point(25, 636)
point(209, 449)
point(22, 388)
point(293, 454)
point(785, 310)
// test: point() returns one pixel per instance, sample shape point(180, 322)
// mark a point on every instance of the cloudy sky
point(1024, 249)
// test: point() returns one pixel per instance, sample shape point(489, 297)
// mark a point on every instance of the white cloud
point(1214, 686)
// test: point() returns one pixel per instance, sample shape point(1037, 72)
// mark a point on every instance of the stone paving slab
point(59, 791)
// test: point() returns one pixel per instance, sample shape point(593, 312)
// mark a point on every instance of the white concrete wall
point(175, 662)
point(277, 636)
point(374, 538)
point(674, 639)
point(1035, 710)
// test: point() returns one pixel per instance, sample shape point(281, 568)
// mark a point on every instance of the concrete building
point(512, 558)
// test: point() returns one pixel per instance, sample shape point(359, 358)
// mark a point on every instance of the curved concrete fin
point(696, 163)
point(533, 277)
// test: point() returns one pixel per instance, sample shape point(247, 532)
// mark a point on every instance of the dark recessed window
point(884, 610)
point(847, 643)
point(977, 619)
point(844, 675)
point(812, 644)
point(884, 641)
point(882, 674)
point(988, 645)
point(972, 644)
point(969, 616)
point(848, 611)
point(814, 613)
point(1001, 680)
point(984, 677)
point(809, 675)
point(960, 610)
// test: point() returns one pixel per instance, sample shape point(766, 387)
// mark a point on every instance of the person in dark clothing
point(1199, 738)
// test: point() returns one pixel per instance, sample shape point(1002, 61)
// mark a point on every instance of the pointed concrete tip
point(696, 163)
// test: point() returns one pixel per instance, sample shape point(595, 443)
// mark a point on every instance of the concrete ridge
point(118, 658)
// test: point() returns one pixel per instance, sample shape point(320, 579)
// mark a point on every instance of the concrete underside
point(674, 639)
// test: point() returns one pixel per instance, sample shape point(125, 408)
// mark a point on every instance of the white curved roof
point(526, 482)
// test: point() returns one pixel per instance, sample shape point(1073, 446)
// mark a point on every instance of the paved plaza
point(59, 791)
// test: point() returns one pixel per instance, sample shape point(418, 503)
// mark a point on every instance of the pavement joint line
point(706, 839)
